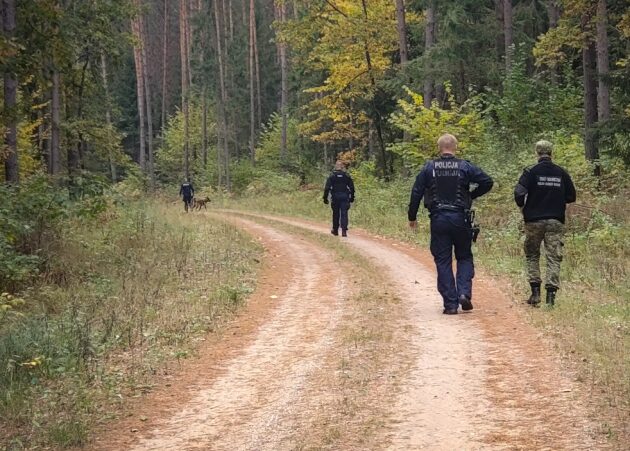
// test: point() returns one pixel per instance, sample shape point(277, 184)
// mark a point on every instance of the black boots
point(551, 296)
point(465, 302)
point(534, 299)
point(334, 232)
point(344, 233)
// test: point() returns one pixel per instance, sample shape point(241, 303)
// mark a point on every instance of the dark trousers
point(187, 202)
point(450, 230)
point(340, 206)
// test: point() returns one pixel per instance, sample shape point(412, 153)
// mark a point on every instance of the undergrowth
point(117, 297)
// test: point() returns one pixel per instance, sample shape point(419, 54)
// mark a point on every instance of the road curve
point(479, 380)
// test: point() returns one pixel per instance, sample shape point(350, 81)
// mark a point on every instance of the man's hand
point(325, 200)
point(413, 225)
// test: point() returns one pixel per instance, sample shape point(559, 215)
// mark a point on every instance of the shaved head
point(447, 143)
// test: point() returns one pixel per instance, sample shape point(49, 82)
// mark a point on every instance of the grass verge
point(125, 298)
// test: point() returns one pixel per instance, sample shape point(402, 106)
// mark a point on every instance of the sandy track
point(257, 402)
point(481, 380)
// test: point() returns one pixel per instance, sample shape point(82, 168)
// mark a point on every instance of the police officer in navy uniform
point(187, 192)
point(445, 185)
point(340, 187)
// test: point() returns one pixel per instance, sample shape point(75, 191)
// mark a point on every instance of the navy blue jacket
point(186, 190)
point(339, 183)
point(467, 174)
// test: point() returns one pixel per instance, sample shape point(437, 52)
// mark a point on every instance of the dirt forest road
point(312, 363)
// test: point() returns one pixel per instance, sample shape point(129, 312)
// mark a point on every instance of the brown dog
point(198, 203)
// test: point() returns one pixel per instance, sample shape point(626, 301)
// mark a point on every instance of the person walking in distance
point(187, 191)
point(340, 187)
point(445, 185)
point(542, 193)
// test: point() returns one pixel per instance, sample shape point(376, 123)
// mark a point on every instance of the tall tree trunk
point(429, 41)
point(284, 86)
point(188, 35)
point(231, 20)
point(108, 115)
point(252, 96)
point(500, 38)
point(149, 108)
point(508, 33)
point(225, 29)
point(375, 106)
point(257, 64)
point(55, 124)
point(11, 167)
point(244, 15)
point(164, 60)
point(603, 92)
point(401, 25)
point(204, 128)
point(137, 57)
point(553, 13)
point(183, 47)
point(75, 153)
point(590, 101)
point(222, 130)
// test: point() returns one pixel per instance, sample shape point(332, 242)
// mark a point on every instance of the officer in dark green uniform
point(542, 193)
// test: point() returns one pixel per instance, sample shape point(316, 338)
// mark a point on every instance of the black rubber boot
point(344, 233)
point(551, 296)
point(534, 299)
point(334, 232)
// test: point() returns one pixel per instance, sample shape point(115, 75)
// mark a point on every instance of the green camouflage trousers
point(551, 232)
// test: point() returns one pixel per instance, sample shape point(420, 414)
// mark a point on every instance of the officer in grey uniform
point(542, 193)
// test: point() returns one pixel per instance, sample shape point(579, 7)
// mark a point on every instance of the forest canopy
point(165, 89)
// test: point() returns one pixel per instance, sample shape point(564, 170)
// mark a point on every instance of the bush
point(425, 125)
point(30, 216)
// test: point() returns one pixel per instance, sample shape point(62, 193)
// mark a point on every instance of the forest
point(109, 105)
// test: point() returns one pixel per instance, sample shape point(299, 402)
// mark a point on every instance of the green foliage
point(29, 217)
point(268, 148)
point(530, 106)
point(169, 156)
point(425, 125)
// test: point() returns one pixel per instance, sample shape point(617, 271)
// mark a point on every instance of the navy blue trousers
point(340, 205)
point(450, 231)
point(187, 202)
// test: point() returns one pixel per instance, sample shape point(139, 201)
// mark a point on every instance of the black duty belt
point(448, 208)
